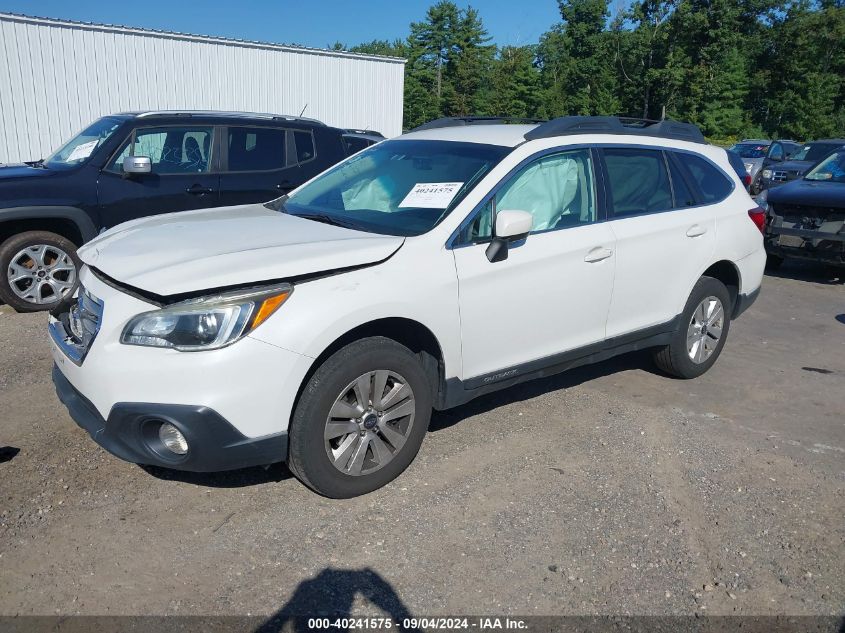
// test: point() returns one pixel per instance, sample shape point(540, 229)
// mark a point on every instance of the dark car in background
point(806, 217)
point(137, 164)
point(799, 163)
point(356, 140)
point(757, 154)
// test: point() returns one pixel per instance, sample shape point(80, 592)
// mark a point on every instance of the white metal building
point(57, 76)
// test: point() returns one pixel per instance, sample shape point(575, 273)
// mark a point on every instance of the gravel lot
point(610, 489)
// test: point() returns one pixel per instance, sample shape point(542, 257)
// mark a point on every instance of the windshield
point(814, 152)
point(77, 150)
point(396, 187)
point(831, 169)
point(750, 150)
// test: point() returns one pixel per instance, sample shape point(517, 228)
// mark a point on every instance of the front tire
point(702, 332)
point(37, 270)
point(361, 419)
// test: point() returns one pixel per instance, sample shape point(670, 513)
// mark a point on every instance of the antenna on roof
point(304, 108)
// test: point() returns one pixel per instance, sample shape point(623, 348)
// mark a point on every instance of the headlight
point(206, 323)
point(767, 173)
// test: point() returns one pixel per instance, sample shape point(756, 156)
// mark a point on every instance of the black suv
point(131, 165)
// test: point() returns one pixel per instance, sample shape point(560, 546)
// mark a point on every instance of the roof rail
point(222, 113)
point(566, 125)
point(456, 121)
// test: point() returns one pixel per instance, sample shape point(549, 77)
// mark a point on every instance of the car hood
point(193, 251)
point(816, 193)
point(792, 165)
point(21, 170)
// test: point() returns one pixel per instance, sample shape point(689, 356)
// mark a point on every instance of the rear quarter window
point(713, 185)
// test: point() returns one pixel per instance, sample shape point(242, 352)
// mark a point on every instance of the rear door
point(183, 174)
point(665, 236)
point(259, 164)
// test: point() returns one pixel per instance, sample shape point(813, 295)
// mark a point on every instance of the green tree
point(515, 88)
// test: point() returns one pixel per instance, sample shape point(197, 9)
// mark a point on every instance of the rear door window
point(304, 146)
point(638, 180)
point(257, 148)
point(713, 185)
point(684, 197)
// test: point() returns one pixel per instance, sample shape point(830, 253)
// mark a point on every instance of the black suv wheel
point(39, 268)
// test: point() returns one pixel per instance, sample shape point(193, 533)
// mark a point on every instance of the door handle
point(198, 190)
point(695, 230)
point(598, 254)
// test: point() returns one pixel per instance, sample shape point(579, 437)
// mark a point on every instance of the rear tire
point(37, 270)
point(341, 448)
point(702, 331)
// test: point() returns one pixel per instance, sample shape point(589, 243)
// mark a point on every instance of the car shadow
point(809, 271)
point(331, 594)
point(518, 393)
point(241, 478)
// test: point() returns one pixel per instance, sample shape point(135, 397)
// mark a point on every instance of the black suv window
point(639, 181)
point(172, 150)
point(256, 148)
point(713, 185)
point(304, 146)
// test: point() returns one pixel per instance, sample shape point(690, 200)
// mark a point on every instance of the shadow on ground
point(809, 271)
point(331, 594)
point(225, 479)
point(8, 453)
point(534, 388)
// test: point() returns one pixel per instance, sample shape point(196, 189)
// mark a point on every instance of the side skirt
point(457, 392)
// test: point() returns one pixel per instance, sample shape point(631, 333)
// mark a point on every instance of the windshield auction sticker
point(431, 195)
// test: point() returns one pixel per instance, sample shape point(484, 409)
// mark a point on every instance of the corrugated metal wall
point(56, 77)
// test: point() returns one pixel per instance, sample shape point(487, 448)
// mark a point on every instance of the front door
point(552, 293)
point(181, 176)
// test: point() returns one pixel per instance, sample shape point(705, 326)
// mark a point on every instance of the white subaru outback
point(461, 258)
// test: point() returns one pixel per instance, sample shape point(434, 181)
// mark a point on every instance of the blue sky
point(317, 23)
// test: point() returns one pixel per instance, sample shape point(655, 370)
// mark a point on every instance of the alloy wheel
point(41, 274)
point(369, 422)
point(705, 329)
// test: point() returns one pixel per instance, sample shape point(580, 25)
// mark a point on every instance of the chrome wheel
point(369, 422)
point(705, 329)
point(41, 274)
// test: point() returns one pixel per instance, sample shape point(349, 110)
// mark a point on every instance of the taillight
point(758, 216)
point(746, 180)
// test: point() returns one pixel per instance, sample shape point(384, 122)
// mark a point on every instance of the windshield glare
point(750, 150)
point(814, 152)
point(77, 150)
point(399, 187)
point(831, 169)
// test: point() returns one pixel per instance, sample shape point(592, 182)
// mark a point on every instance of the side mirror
point(137, 165)
point(511, 226)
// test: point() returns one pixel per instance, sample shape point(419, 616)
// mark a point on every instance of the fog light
point(172, 439)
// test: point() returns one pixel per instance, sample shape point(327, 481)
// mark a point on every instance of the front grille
point(75, 329)
point(779, 176)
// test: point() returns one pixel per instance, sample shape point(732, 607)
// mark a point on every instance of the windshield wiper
point(324, 218)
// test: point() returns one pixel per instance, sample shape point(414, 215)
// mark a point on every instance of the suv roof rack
point(456, 121)
point(666, 128)
point(221, 113)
